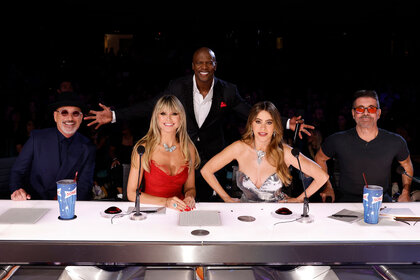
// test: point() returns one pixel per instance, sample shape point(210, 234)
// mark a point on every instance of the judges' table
point(159, 240)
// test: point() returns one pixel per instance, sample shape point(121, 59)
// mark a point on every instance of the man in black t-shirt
point(365, 149)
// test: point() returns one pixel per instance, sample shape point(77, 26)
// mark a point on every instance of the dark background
point(330, 49)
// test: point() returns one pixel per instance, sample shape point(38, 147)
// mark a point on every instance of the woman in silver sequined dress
point(263, 161)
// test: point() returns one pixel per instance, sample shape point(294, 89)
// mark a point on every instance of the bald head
point(205, 51)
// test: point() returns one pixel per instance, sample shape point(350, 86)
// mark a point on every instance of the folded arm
point(328, 191)
point(309, 168)
point(215, 164)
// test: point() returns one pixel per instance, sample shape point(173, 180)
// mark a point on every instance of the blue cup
point(66, 196)
point(372, 200)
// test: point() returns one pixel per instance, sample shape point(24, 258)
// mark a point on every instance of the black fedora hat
point(68, 99)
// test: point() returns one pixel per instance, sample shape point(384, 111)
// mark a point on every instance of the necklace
point(169, 149)
point(260, 155)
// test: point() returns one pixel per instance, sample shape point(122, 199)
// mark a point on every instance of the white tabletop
point(90, 226)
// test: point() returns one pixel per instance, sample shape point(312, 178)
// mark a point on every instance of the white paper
point(396, 212)
point(22, 215)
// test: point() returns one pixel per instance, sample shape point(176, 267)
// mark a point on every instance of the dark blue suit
point(38, 168)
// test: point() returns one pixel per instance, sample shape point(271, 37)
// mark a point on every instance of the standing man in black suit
point(207, 100)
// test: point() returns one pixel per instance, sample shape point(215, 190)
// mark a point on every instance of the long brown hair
point(275, 151)
point(153, 136)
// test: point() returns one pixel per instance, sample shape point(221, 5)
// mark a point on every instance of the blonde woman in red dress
point(169, 160)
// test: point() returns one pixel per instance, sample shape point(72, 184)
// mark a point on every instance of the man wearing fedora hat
point(55, 153)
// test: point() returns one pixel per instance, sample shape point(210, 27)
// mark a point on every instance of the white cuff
point(114, 118)
point(287, 123)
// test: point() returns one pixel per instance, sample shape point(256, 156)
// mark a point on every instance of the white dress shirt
point(202, 104)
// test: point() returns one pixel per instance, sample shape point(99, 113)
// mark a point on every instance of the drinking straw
point(364, 178)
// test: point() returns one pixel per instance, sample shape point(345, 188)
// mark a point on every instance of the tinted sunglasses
point(370, 109)
point(65, 113)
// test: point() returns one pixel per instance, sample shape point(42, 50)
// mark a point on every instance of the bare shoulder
point(233, 150)
point(287, 149)
point(238, 146)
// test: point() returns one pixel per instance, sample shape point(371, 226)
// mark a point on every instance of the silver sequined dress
point(270, 190)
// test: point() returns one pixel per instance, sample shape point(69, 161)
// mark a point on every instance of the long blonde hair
point(153, 136)
point(275, 151)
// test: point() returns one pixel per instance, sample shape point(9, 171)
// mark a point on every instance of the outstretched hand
point(303, 127)
point(99, 117)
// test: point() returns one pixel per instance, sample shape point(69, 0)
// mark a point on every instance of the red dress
point(158, 183)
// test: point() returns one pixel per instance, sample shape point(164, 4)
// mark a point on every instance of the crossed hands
point(176, 203)
point(20, 194)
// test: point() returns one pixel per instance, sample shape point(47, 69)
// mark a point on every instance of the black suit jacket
point(209, 138)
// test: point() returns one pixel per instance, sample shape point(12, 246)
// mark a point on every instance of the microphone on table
point(305, 218)
point(137, 216)
point(401, 171)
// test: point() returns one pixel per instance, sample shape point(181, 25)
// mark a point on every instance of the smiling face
point(67, 122)
point(263, 126)
point(168, 120)
point(366, 119)
point(204, 65)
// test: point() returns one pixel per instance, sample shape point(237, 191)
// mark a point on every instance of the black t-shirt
point(356, 156)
